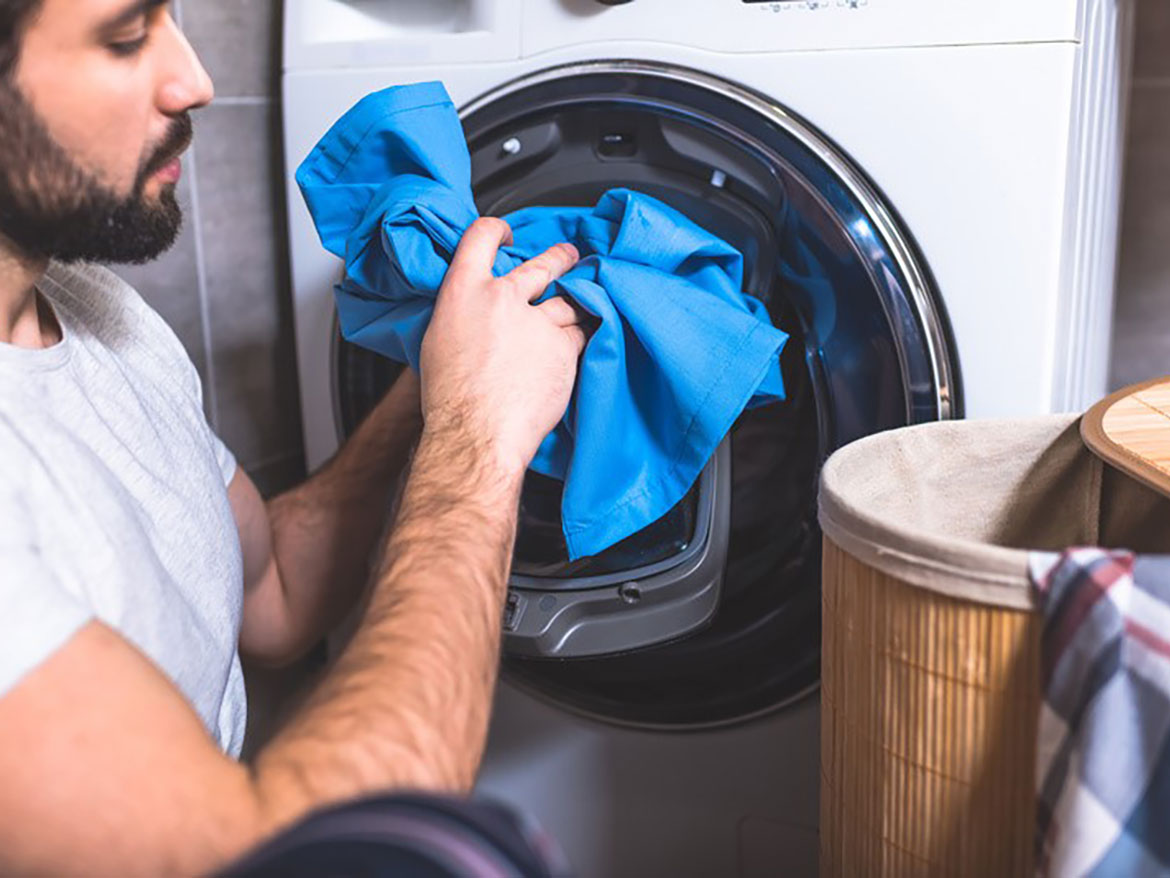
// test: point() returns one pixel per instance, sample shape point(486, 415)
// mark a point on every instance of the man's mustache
point(176, 140)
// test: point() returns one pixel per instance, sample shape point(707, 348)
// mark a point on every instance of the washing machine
point(926, 196)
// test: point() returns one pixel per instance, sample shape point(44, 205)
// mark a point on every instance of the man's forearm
point(407, 703)
point(324, 532)
point(405, 707)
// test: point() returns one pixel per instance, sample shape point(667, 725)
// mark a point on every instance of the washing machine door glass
point(869, 351)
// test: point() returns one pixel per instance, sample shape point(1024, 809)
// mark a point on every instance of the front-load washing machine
point(926, 196)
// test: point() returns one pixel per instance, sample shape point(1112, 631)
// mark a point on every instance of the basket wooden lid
point(1131, 430)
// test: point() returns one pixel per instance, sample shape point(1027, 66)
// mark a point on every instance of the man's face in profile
point(95, 114)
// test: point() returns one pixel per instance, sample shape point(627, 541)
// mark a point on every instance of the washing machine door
point(870, 350)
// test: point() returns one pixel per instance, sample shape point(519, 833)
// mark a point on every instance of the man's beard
point(50, 207)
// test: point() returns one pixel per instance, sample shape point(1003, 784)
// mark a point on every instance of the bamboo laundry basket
point(930, 674)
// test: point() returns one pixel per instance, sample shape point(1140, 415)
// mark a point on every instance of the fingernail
point(571, 250)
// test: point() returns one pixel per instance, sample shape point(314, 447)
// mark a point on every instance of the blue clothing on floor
point(679, 350)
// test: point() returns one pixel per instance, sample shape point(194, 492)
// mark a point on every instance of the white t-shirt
point(113, 499)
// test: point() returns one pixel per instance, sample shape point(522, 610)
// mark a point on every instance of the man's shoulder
point(103, 306)
point(93, 290)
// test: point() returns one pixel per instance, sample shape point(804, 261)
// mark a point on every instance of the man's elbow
point(274, 654)
point(270, 636)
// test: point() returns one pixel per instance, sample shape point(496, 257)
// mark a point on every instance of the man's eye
point(126, 48)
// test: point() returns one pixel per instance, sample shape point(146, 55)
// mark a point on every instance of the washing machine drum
point(710, 615)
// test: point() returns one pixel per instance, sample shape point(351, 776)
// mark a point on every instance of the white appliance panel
point(357, 33)
point(798, 25)
point(744, 792)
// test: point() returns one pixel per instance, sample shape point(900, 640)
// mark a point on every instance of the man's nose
point(184, 83)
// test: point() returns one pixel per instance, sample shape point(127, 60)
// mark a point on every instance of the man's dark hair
point(14, 15)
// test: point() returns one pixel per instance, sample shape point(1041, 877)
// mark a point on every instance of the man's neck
point(22, 323)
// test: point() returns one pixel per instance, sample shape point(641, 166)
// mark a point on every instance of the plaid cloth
point(1103, 766)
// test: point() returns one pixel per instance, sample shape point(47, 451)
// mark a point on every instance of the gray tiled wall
point(224, 287)
point(1141, 339)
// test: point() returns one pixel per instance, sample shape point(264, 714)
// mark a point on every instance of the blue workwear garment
point(678, 351)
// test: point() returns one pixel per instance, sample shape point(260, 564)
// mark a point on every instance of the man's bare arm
point(107, 770)
point(307, 552)
point(105, 767)
point(436, 608)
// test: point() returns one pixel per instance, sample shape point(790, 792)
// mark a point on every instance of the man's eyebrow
point(129, 14)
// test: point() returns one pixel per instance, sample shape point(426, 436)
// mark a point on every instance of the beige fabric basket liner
point(956, 506)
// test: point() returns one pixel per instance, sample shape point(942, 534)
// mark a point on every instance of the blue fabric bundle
point(679, 350)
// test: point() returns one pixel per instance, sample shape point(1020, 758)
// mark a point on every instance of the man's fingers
point(477, 250)
point(559, 311)
point(533, 277)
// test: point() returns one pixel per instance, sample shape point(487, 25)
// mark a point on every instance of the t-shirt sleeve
point(37, 615)
point(224, 457)
point(160, 339)
point(194, 384)
point(190, 379)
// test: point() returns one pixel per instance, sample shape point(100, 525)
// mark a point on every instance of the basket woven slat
point(929, 710)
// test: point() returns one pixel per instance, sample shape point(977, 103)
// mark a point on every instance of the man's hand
point(499, 374)
point(496, 369)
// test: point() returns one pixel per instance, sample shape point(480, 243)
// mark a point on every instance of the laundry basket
point(930, 680)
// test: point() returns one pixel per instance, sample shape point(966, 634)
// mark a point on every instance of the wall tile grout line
point(210, 393)
point(210, 396)
point(242, 101)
